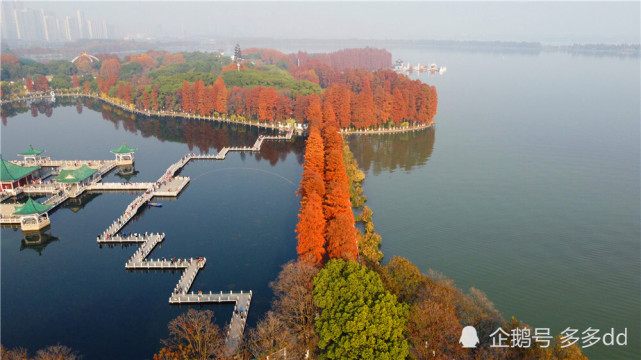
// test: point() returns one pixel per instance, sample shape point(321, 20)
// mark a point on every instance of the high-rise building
point(51, 26)
point(29, 25)
point(82, 31)
point(71, 28)
point(8, 25)
point(18, 22)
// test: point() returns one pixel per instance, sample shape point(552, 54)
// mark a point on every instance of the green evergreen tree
point(359, 319)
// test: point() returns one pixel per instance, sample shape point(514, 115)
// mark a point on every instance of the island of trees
point(355, 85)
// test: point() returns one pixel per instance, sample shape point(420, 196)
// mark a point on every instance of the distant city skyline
point(546, 22)
point(21, 21)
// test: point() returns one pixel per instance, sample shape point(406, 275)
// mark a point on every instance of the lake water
point(239, 213)
point(527, 188)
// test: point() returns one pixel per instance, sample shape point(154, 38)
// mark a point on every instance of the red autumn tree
point(299, 107)
point(267, 104)
point(312, 182)
point(127, 93)
point(337, 200)
point(169, 59)
point(75, 81)
point(199, 105)
point(363, 107)
point(154, 97)
point(29, 84)
point(313, 169)
point(340, 98)
point(283, 108)
point(187, 97)
point(383, 101)
point(398, 106)
point(314, 151)
point(146, 61)
point(146, 102)
point(41, 84)
point(341, 237)
point(9, 59)
point(314, 113)
point(332, 140)
point(311, 230)
point(220, 91)
point(329, 118)
point(110, 68)
point(87, 88)
point(433, 104)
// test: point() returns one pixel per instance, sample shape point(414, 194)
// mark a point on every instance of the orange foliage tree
point(220, 94)
point(311, 230)
point(29, 84)
point(314, 111)
point(41, 84)
point(341, 237)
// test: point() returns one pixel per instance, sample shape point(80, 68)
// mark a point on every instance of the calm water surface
point(239, 213)
point(528, 188)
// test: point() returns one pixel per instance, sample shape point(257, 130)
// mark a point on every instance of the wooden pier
point(171, 185)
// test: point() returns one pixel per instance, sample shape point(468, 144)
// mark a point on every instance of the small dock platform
point(172, 186)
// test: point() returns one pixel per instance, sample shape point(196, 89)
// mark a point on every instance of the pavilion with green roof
point(31, 154)
point(33, 215)
point(13, 176)
point(81, 175)
point(124, 154)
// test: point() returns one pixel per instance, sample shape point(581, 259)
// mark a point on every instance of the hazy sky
point(548, 22)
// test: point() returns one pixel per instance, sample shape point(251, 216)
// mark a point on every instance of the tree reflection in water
point(393, 151)
point(200, 136)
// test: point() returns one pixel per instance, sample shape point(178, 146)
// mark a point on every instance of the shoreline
point(201, 117)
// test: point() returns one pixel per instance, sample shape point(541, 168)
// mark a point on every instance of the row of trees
point(207, 84)
point(352, 307)
point(54, 352)
point(367, 58)
point(326, 223)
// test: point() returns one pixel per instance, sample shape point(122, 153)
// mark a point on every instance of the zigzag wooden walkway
point(171, 184)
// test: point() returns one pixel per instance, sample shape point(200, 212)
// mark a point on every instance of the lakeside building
point(13, 176)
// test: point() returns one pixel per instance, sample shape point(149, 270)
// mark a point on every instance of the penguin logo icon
point(469, 339)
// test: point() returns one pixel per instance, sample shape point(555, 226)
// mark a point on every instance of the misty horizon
point(545, 22)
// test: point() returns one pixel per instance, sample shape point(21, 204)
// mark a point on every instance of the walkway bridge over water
point(171, 185)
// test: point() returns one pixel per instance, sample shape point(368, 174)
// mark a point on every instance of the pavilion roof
point(31, 207)
point(75, 175)
point(10, 172)
point(31, 151)
point(123, 149)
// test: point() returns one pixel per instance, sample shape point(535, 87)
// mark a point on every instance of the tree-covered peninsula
point(353, 88)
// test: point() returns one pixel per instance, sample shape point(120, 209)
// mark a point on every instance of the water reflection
point(200, 136)
point(392, 151)
point(37, 241)
point(79, 203)
point(126, 172)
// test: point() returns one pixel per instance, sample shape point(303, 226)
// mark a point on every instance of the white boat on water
point(401, 67)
